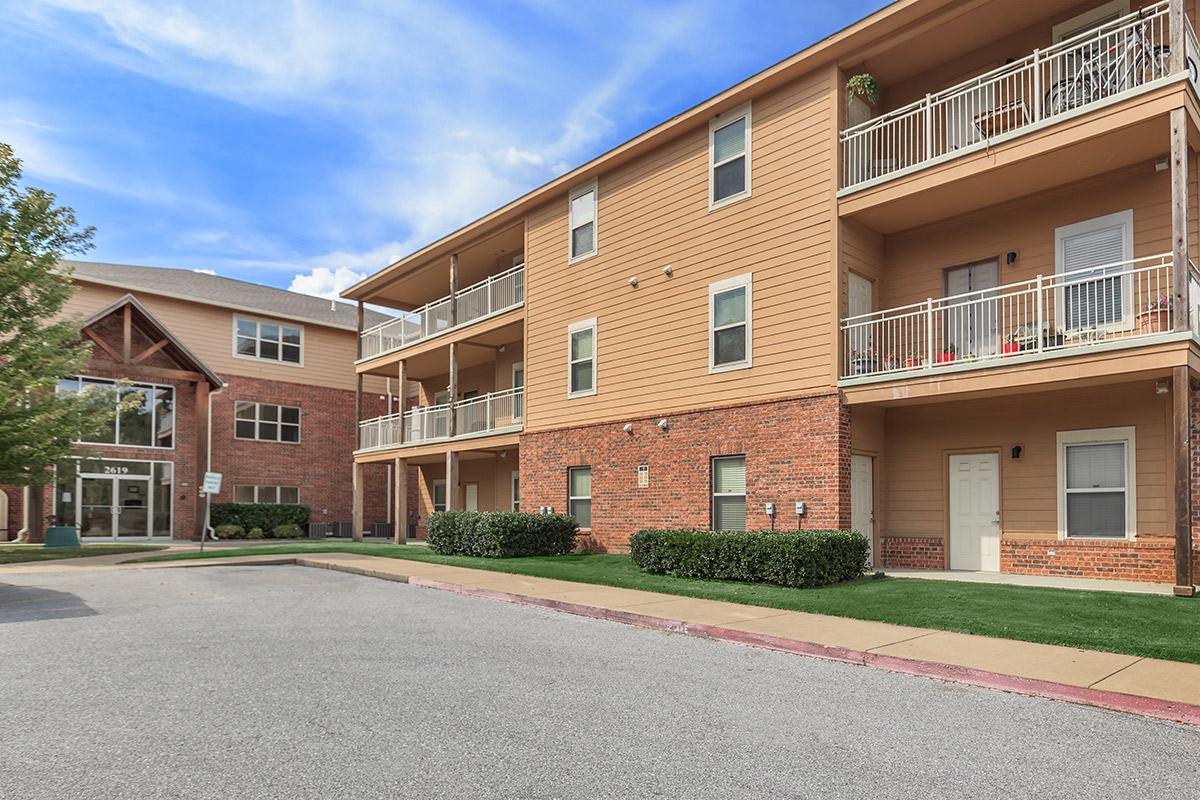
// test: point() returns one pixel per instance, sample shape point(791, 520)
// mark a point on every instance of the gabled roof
point(230, 293)
point(148, 324)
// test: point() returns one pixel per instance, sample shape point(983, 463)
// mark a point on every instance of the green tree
point(38, 347)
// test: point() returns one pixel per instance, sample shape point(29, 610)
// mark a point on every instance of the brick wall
point(796, 449)
point(1146, 559)
point(911, 552)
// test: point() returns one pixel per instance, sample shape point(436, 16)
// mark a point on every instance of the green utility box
point(62, 536)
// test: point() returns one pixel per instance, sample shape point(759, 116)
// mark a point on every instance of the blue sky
point(304, 143)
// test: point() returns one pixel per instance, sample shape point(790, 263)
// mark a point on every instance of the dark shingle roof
point(227, 292)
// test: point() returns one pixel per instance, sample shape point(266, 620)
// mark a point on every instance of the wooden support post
point(202, 423)
point(1179, 218)
point(358, 405)
point(36, 497)
point(452, 481)
point(400, 500)
point(357, 514)
point(453, 289)
point(1176, 20)
point(452, 388)
point(127, 335)
point(401, 392)
point(1181, 395)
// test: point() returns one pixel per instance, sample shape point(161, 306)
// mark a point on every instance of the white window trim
point(714, 289)
point(1125, 220)
point(278, 423)
point(512, 381)
point(433, 494)
point(575, 328)
point(260, 359)
point(715, 124)
point(1123, 435)
point(573, 497)
point(514, 484)
point(592, 186)
point(257, 486)
point(117, 420)
point(1088, 19)
point(712, 485)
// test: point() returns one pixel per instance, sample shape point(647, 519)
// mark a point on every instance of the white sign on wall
point(212, 483)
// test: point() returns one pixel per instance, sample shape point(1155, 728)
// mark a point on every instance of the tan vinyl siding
point(652, 342)
point(328, 353)
point(919, 439)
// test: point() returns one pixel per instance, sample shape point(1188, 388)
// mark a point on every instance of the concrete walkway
point(1042, 581)
point(1166, 689)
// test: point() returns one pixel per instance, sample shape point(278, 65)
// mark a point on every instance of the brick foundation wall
point(1148, 559)
point(912, 552)
point(796, 449)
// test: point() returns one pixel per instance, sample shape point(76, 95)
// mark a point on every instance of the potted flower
point(862, 96)
point(862, 362)
point(946, 356)
point(1157, 316)
point(909, 360)
point(1011, 346)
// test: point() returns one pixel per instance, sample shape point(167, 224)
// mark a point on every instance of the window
point(729, 306)
point(274, 495)
point(729, 157)
point(1087, 254)
point(266, 422)
point(439, 495)
point(729, 493)
point(579, 495)
point(581, 359)
point(516, 490)
point(1095, 473)
point(272, 341)
point(582, 211)
point(149, 422)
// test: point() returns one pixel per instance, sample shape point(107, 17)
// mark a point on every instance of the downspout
point(23, 534)
point(208, 458)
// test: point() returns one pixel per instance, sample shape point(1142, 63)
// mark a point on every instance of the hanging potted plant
point(1157, 316)
point(862, 96)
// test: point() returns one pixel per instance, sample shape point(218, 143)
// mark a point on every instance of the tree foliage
point(38, 346)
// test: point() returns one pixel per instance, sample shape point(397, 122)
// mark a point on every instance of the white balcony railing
point(496, 294)
point(1078, 72)
point(495, 412)
point(1066, 313)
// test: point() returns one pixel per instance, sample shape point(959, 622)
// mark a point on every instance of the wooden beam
point(1179, 212)
point(1181, 417)
point(359, 328)
point(452, 480)
point(149, 351)
point(453, 289)
point(401, 393)
point(95, 337)
point(142, 371)
point(357, 516)
point(127, 334)
point(400, 500)
point(1176, 37)
point(453, 389)
point(202, 423)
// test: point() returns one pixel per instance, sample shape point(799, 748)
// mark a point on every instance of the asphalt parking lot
point(285, 682)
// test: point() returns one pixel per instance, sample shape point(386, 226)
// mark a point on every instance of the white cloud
point(325, 282)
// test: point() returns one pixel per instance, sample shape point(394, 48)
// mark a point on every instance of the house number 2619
point(116, 470)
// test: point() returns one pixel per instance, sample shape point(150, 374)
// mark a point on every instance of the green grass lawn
point(20, 553)
point(1145, 625)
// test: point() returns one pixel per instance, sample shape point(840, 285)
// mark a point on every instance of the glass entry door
point(114, 507)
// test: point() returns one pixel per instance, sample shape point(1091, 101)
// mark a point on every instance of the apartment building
point(960, 316)
point(246, 380)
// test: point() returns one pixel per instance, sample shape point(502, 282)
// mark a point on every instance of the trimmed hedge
point(787, 558)
point(288, 530)
point(267, 516)
point(501, 534)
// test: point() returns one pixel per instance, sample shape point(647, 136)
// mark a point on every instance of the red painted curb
point(1101, 698)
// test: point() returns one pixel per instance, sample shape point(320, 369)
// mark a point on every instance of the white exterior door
point(975, 512)
point(860, 300)
point(471, 497)
point(862, 498)
point(973, 322)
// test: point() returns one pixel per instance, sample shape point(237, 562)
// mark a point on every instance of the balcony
point(492, 413)
point(489, 297)
point(1092, 69)
point(1111, 306)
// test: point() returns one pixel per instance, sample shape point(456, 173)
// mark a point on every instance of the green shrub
point(228, 531)
point(787, 558)
point(287, 530)
point(501, 534)
point(255, 533)
point(267, 516)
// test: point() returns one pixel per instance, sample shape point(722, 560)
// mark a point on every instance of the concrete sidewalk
point(1165, 689)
